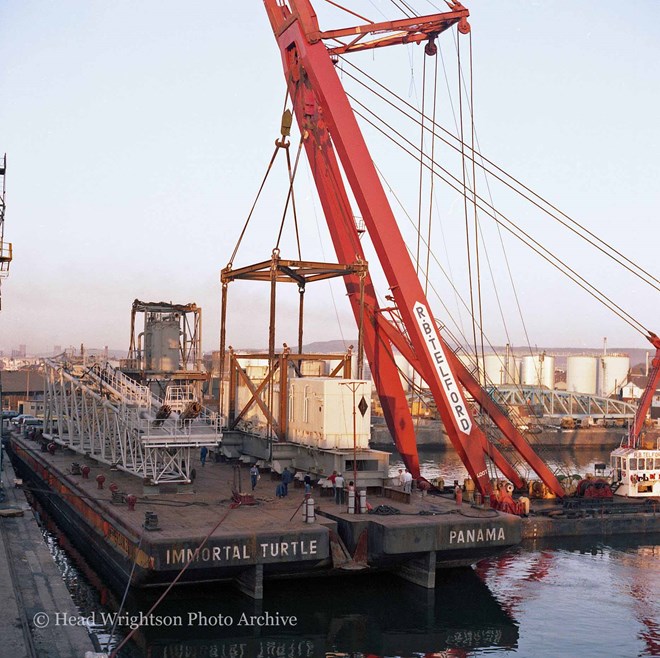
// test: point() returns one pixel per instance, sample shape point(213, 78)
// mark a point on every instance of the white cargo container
point(321, 412)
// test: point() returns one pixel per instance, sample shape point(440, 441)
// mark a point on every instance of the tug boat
point(636, 471)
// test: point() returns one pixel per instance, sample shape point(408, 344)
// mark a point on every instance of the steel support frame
point(100, 414)
point(564, 403)
point(276, 418)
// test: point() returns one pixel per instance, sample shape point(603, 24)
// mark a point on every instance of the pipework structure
point(167, 353)
point(274, 382)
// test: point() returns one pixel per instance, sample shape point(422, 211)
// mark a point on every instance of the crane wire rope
point(499, 232)
point(446, 330)
point(413, 88)
point(291, 197)
point(478, 348)
point(419, 210)
point(537, 200)
point(421, 172)
point(329, 281)
point(249, 217)
point(432, 181)
point(464, 196)
point(480, 199)
point(528, 240)
point(453, 110)
point(406, 10)
point(348, 11)
point(421, 394)
point(505, 255)
point(278, 145)
point(470, 101)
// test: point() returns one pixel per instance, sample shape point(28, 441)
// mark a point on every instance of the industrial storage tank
point(500, 369)
point(613, 372)
point(581, 374)
point(161, 343)
point(405, 371)
point(537, 370)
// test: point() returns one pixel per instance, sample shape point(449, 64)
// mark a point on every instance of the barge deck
point(253, 542)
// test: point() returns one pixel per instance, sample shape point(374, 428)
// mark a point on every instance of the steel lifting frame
point(328, 125)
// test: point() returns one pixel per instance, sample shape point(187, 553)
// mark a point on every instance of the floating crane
point(332, 138)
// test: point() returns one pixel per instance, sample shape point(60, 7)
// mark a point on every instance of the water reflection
point(580, 594)
point(376, 615)
point(373, 615)
point(444, 462)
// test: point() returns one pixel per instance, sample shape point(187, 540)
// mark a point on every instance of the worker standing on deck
point(287, 478)
point(202, 454)
point(339, 489)
point(407, 481)
point(332, 479)
point(254, 476)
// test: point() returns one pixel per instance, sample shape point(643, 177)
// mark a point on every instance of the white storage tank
point(582, 374)
point(321, 412)
point(613, 372)
point(500, 369)
point(538, 370)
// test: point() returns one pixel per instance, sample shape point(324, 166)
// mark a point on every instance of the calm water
point(588, 598)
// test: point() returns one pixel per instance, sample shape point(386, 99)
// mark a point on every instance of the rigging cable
point(592, 238)
point(348, 11)
point(528, 240)
point(464, 195)
point(485, 172)
point(499, 230)
point(406, 10)
point(176, 578)
point(291, 197)
point(247, 221)
point(432, 177)
point(421, 171)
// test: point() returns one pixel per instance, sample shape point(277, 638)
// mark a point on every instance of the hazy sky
point(137, 134)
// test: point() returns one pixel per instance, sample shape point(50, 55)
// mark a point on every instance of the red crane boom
point(330, 129)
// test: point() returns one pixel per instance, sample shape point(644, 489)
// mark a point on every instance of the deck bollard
point(309, 515)
point(351, 501)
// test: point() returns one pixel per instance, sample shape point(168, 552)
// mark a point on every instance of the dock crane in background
point(5, 247)
point(332, 136)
